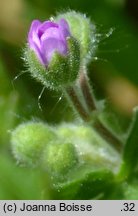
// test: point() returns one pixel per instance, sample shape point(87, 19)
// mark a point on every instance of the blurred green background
point(113, 73)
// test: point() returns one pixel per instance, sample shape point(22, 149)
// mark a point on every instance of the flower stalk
point(87, 92)
point(76, 103)
point(88, 97)
point(57, 57)
point(108, 136)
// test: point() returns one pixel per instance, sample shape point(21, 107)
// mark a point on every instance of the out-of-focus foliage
point(113, 73)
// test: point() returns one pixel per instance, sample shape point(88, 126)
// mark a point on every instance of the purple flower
point(47, 37)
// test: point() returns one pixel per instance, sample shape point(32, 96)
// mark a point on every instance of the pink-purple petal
point(51, 45)
point(38, 53)
point(64, 27)
point(48, 37)
point(44, 26)
point(34, 26)
point(53, 33)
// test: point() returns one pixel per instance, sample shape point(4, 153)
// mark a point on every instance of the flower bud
point(52, 54)
point(59, 157)
point(84, 31)
point(28, 141)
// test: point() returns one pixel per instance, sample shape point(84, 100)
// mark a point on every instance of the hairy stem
point(90, 101)
point(88, 98)
point(108, 136)
point(87, 92)
point(72, 96)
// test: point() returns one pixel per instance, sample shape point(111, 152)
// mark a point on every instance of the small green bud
point(58, 158)
point(28, 141)
point(91, 147)
point(84, 31)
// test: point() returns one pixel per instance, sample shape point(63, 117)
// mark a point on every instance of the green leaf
point(131, 191)
point(19, 183)
point(85, 183)
point(130, 154)
point(8, 105)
